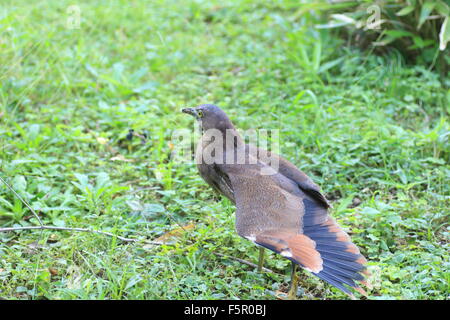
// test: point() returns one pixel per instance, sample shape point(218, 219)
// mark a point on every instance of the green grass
point(370, 130)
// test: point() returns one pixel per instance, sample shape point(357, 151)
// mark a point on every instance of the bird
point(278, 207)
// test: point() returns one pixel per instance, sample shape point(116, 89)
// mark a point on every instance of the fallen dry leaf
point(175, 233)
point(53, 271)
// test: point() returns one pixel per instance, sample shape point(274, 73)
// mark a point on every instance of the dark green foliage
point(417, 29)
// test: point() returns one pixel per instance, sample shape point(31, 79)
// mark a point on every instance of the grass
point(370, 130)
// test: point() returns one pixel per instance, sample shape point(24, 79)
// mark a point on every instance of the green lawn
point(371, 131)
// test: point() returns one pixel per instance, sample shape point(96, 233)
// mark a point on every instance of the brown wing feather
point(296, 247)
point(264, 202)
point(269, 212)
point(290, 171)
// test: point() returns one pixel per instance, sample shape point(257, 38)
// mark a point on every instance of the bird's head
point(210, 116)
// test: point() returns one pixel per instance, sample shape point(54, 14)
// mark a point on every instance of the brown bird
point(277, 207)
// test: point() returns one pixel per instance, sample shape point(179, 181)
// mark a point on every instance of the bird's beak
point(190, 111)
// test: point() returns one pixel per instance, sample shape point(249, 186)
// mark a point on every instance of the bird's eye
point(200, 113)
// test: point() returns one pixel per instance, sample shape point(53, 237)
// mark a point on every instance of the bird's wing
point(269, 210)
point(273, 212)
point(303, 181)
point(290, 171)
point(216, 179)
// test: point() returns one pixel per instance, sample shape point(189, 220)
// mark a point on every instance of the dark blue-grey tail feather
point(334, 276)
point(340, 267)
point(348, 265)
point(330, 245)
point(344, 272)
point(334, 282)
point(315, 213)
point(334, 253)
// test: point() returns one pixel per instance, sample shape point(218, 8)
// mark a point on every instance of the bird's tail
point(343, 265)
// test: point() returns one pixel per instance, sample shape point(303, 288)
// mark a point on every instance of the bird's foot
point(292, 294)
point(261, 260)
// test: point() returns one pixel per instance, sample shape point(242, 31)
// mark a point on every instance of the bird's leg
point(261, 259)
point(294, 285)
